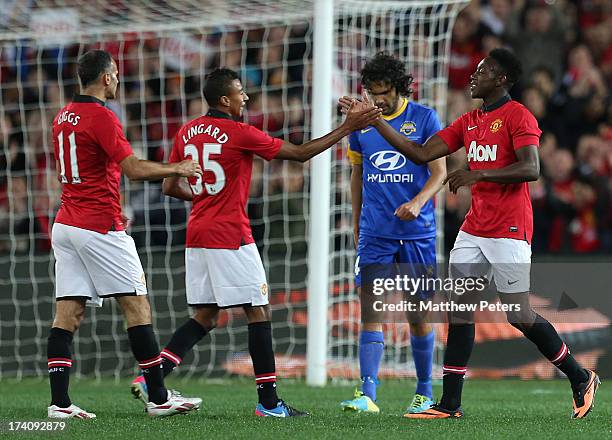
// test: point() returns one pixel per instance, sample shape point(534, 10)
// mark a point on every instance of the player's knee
point(371, 320)
point(513, 317)
point(371, 313)
point(136, 310)
point(258, 313)
point(461, 317)
point(69, 315)
point(69, 323)
point(372, 327)
point(520, 326)
point(207, 318)
point(420, 328)
point(78, 319)
point(520, 319)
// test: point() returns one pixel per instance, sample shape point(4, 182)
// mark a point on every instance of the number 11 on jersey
point(74, 166)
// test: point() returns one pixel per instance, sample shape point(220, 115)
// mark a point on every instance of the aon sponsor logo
point(482, 153)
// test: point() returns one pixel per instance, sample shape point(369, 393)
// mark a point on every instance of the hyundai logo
point(388, 160)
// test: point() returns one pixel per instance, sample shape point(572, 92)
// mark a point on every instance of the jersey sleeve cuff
point(122, 155)
point(447, 138)
point(354, 157)
point(525, 141)
point(276, 146)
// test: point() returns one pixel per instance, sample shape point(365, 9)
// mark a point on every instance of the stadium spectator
point(537, 34)
point(465, 51)
point(495, 15)
point(535, 100)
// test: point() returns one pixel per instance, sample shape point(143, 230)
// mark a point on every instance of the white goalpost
point(320, 196)
point(295, 58)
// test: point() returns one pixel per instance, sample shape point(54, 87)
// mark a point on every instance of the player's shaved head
point(218, 84)
point(92, 64)
point(385, 68)
point(508, 64)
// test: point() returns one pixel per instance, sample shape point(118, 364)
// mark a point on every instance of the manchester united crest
point(264, 289)
point(496, 125)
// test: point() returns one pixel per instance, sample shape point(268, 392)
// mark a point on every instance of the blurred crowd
point(565, 47)
point(160, 89)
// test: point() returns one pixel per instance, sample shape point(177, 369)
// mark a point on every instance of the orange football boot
point(436, 412)
point(584, 397)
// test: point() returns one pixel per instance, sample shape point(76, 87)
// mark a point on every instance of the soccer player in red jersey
point(223, 266)
point(501, 139)
point(95, 258)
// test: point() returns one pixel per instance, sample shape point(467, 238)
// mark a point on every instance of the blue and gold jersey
point(390, 179)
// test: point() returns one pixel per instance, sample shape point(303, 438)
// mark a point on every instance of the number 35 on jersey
point(207, 164)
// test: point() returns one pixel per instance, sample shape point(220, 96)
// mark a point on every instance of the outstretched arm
point(355, 120)
point(138, 169)
point(525, 169)
point(433, 149)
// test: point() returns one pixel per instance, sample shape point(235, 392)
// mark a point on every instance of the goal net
point(163, 50)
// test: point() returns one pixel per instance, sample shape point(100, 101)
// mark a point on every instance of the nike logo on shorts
point(513, 282)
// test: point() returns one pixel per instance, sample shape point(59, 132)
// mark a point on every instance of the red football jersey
point(491, 137)
point(224, 148)
point(89, 144)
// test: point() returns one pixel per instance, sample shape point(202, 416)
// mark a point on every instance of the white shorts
point(95, 265)
point(506, 260)
point(225, 277)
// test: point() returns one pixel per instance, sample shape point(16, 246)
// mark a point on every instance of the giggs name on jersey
point(89, 144)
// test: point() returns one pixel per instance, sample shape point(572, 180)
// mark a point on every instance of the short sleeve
point(175, 154)
point(453, 135)
point(111, 138)
point(433, 125)
point(260, 143)
point(354, 150)
point(524, 129)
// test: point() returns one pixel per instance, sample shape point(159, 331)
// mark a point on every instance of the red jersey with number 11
point(89, 144)
point(224, 148)
point(499, 210)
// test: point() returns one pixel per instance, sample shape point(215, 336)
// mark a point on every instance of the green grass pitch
point(509, 409)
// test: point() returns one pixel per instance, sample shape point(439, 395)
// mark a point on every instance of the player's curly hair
point(385, 68)
point(217, 84)
point(509, 64)
point(92, 64)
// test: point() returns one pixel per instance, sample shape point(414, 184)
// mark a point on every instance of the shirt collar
point(88, 98)
point(497, 104)
point(214, 113)
point(401, 110)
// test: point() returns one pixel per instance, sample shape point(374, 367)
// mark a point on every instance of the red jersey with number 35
point(224, 148)
point(89, 144)
point(491, 138)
